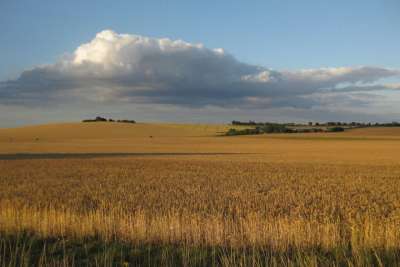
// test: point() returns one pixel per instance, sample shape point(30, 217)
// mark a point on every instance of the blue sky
point(278, 35)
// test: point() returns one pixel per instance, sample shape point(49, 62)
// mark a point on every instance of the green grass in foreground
point(30, 250)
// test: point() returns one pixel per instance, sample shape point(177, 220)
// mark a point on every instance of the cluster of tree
point(274, 128)
point(279, 128)
point(348, 124)
point(335, 129)
point(125, 121)
point(267, 128)
point(96, 119)
point(253, 123)
point(356, 124)
point(386, 124)
point(246, 123)
point(101, 119)
point(249, 131)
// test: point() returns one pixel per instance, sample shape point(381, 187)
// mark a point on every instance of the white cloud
point(132, 69)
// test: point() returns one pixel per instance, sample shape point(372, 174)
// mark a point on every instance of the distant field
point(109, 194)
point(376, 131)
point(380, 145)
point(108, 130)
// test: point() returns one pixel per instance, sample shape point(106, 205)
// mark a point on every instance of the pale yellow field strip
point(365, 146)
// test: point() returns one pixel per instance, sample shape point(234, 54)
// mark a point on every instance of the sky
point(199, 61)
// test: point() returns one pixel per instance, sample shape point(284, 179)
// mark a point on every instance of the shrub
point(276, 128)
point(244, 131)
point(336, 129)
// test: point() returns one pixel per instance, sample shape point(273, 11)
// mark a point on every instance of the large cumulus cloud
point(127, 68)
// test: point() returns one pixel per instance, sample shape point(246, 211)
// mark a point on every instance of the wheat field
point(108, 194)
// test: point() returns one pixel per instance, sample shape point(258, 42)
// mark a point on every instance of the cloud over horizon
point(132, 69)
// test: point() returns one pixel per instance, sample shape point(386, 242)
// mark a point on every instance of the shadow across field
point(28, 249)
point(24, 156)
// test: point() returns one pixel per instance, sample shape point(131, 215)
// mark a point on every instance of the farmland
point(181, 195)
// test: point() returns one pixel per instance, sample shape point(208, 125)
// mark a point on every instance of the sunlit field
point(106, 194)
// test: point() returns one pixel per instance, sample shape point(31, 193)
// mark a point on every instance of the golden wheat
point(286, 195)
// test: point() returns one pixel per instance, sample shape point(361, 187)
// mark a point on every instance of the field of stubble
point(194, 199)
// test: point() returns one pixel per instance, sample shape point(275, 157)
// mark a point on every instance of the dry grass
point(304, 200)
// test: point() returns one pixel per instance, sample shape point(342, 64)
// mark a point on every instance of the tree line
point(101, 119)
point(322, 124)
